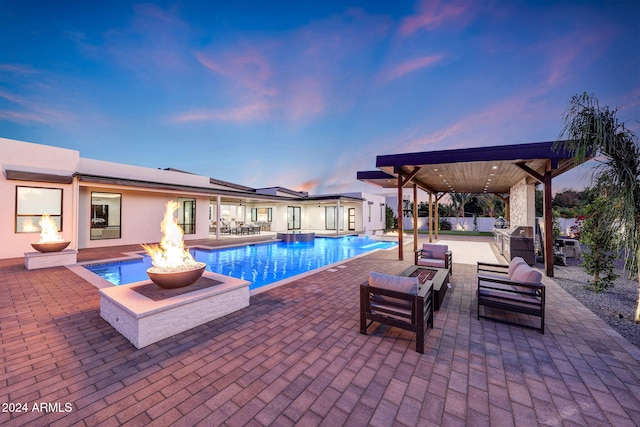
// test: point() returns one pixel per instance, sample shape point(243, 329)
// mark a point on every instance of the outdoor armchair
point(397, 301)
point(513, 288)
point(433, 255)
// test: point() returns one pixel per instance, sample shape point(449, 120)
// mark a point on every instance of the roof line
point(529, 151)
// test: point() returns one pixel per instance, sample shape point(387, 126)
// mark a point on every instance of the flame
point(49, 230)
point(170, 253)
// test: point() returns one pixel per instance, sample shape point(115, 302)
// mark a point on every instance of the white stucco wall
point(110, 169)
point(141, 215)
point(28, 157)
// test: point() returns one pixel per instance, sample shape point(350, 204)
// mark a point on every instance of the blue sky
point(303, 94)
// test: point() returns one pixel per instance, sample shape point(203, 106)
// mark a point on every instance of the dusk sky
point(303, 94)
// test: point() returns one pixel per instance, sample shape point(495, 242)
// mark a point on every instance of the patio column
point(548, 226)
point(337, 217)
point(415, 217)
point(218, 218)
point(400, 217)
point(437, 224)
point(430, 217)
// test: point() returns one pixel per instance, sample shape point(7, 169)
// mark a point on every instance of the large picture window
point(105, 215)
point(32, 203)
point(187, 215)
point(261, 215)
point(330, 218)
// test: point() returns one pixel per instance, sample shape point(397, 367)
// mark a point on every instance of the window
point(330, 217)
point(293, 217)
point(261, 215)
point(105, 215)
point(32, 203)
point(187, 215)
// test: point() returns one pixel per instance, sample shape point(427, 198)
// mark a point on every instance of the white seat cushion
point(526, 274)
point(514, 264)
point(407, 285)
point(429, 262)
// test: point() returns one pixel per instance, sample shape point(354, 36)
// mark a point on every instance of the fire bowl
point(50, 247)
point(176, 278)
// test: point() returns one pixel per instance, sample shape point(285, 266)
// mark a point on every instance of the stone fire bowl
point(176, 279)
point(50, 247)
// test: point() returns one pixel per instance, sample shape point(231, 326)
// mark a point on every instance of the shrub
point(598, 233)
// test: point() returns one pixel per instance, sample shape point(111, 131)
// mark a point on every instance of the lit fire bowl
point(50, 247)
point(176, 277)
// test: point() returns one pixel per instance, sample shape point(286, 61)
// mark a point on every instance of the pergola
point(472, 170)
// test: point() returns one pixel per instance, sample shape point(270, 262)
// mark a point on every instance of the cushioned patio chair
point(433, 255)
point(515, 288)
point(397, 301)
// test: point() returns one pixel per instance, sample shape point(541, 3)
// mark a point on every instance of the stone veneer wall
point(522, 204)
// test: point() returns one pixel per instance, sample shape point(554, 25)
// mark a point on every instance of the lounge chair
point(397, 301)
point(433, 255)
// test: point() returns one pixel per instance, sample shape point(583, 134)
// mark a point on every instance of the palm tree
point(592, 131)
point(489, 203)
point(459, 200)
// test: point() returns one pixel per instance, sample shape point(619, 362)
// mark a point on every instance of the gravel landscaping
point(616, 306)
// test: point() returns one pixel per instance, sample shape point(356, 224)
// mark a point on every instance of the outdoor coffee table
point(439, 277)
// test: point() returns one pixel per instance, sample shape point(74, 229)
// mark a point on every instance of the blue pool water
point(261, 264)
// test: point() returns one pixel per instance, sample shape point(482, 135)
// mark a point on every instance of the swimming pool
point(260, 264)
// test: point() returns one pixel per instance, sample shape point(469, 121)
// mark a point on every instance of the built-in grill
point(517, 241)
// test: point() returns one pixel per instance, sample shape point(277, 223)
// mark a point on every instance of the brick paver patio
point(295, 357)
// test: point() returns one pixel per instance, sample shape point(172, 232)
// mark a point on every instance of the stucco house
point(97, 203)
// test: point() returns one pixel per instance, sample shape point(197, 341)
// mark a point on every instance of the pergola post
point(437, 223)
point(545, 179)
point(548, 226)
point(400, 217)
point(430, 216)
point(415, 217)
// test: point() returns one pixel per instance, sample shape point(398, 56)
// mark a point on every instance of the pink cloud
point(305, 99)
point(15, 116)
point(17, 69)
point(247, 68)
point(246, 113)
point(432, 14)
point(307, 186)
point(33, 111)
point(407, 67)
point(298, 74)
point(478, 128)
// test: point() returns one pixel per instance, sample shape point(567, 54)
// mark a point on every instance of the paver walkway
point(295, 357)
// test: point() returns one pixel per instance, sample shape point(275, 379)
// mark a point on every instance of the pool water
point(260, 264)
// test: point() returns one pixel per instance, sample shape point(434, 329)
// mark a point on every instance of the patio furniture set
point(408, 301)
point(239, 229)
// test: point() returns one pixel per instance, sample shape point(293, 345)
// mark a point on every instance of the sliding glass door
point(293, 218)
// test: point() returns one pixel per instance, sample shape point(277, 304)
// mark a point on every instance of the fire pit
point(50, 247)
point(173, 266)
point(50, 238)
